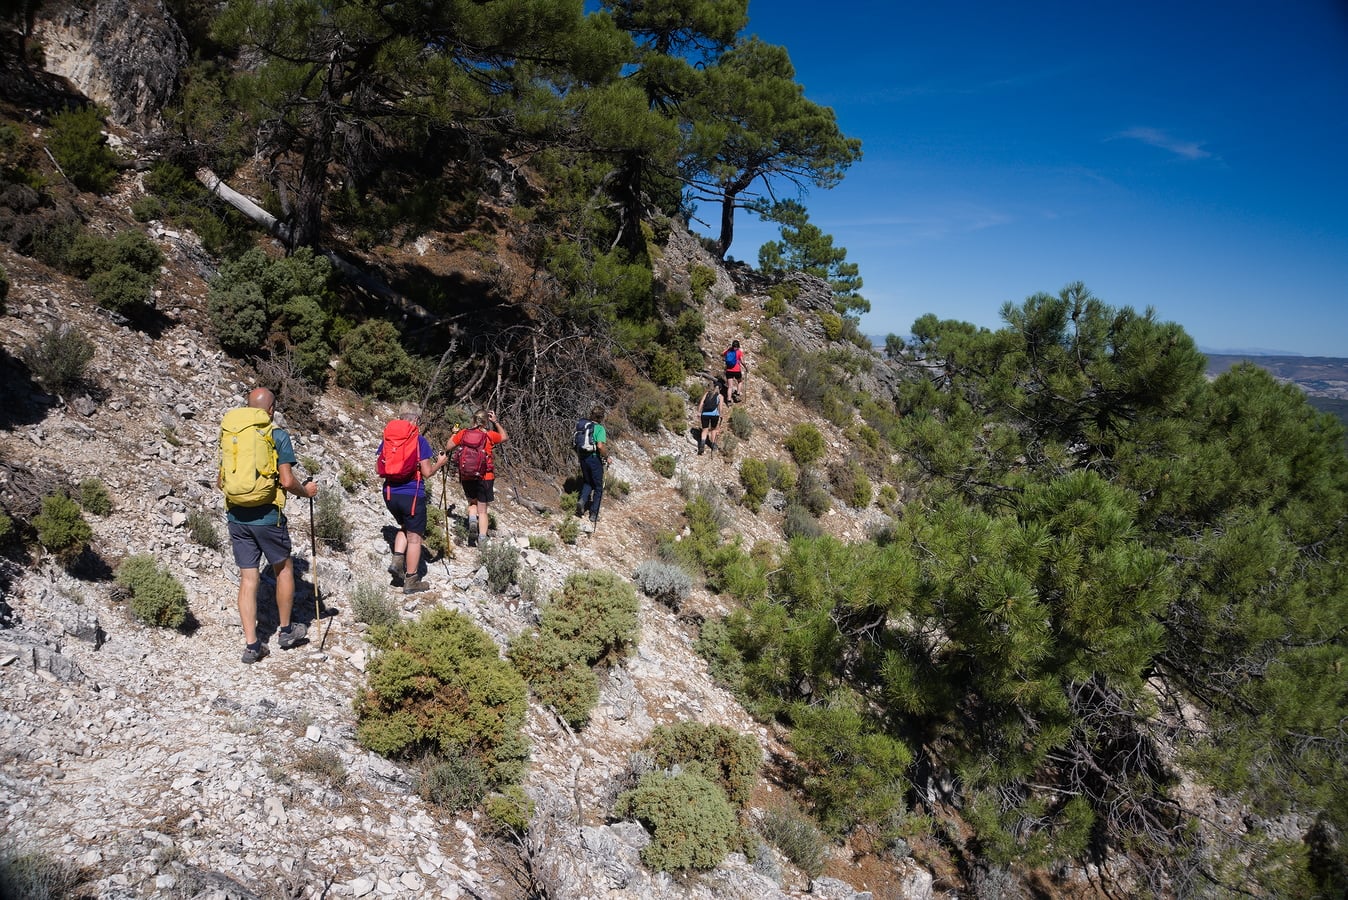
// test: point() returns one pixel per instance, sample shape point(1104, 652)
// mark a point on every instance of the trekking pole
point(444, 500)
point(313, 572)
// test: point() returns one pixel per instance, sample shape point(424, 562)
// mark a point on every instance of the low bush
point(664, 465)
point(796, 836)
point(692, 824)
point(39, 876)
point(833, 325)
point(726, 758)
point(157, 597)
point(781, 475)
point(58, 358)
point(741, 425)
point(510, 810)
point(732, 302)
point(568, 530)
point(700, 280)
point(371, 604)
point(651, 407)
point(666, 367)
point(76, 140)
point(453, 782)
point(542, 543)
point(799, 523)
point(94, 496)
point(754, 478)
point(330, 523)
point(805, 443)
point(616, 488)
point(61, 528)
point(850, 484)
point(502, 559)
point(560, 679)
point(597, 611)
point(202, 529)
point(668, 584)
point(439, 685)
point(352, 478)
point(811, 493)
point(374, 362)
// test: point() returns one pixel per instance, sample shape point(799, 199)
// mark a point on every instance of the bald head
point(261, 398)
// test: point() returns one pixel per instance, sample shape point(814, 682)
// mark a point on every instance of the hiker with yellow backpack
point(405, 459)
point(256, 460)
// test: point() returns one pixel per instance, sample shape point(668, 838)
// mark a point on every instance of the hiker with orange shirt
point(476, 468)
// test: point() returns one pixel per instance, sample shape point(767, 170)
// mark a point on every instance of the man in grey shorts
point(260, 531)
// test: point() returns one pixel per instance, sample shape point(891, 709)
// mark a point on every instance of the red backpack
point(399, 457)
point(473, 459)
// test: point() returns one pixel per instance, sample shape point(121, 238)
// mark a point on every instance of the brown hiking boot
point(414, 584)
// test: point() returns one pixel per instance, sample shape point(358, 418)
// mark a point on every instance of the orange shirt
point(493, 438)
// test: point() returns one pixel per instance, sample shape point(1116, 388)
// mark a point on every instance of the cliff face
point(125, 55)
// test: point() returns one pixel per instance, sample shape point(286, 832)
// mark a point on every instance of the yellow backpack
point(248, 459)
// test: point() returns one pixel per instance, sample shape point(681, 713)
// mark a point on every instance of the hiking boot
point(472, 539)
point(594, 519)
point(580, 509)
point(287, 639)
point(414, 584)
point(700, 444)
point(252, 654)
point(398, 566)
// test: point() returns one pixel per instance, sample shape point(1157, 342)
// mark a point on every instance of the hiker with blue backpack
point(592, 451)
point(405, 460)
point(477, 469)
point(256, 472)
point(734, 371)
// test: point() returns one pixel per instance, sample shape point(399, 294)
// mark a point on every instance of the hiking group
point(256, 473)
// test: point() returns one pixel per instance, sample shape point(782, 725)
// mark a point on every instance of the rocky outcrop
point(125, 55)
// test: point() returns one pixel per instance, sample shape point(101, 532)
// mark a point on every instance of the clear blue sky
point(1190, 156)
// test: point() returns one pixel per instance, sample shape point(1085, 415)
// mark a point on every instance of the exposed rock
point(124, 55)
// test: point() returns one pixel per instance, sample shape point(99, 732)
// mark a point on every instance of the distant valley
point(1323, 378)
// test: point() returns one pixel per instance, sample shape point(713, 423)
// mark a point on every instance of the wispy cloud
point(1155, 137)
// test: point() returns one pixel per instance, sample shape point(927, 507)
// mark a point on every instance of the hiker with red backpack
point(256, 472)
point(734, 371)
point(405, 459)
point(473, 458)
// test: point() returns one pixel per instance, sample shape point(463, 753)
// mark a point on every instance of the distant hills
point(1323, 378)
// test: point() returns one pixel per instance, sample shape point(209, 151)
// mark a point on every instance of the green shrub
point(157, 598)
point(774, 306)
point(795, 834)
point(59, 358)
point(542, 543)
point(664, 465)
point(502, 559)
point(727, 445)
point(76, 139)
point(663, 582)
point(781, 475)
point(61, 528)
point(39, 876)
point(371, 604)
point(6, 528)
point(666, 367)
point(330, 524)
point(568, 530)
point(740, 424)
point(692, 824)
point(239, 313)
point(729, 760)
point(435, 542)
point(651, 407)
point(554, 670)
point(453, 782)
point(732, 302)
point(374, 362)
point(805, 443)
point(324, 763)
point(886, 497)
point(202, 529)
point(700, 280)
point(510, 810)
point(754, 478)
point(850, 483)
point(123, 290)
point(833, 325)
point(811, 493)
point(597, 611)
point(615, 488)
point(352, 478)
point(94, 496)
point(439, 684)
point(799, 523)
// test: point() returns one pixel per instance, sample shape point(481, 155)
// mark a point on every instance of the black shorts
point(710, 422)
point(400, 505)
point(480, 490)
